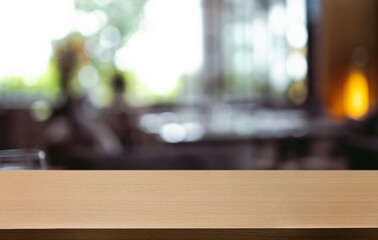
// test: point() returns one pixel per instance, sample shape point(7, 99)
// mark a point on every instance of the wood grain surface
point(188, 200)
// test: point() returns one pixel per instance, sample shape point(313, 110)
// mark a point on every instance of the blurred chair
point(361, 143)
point(22, 159)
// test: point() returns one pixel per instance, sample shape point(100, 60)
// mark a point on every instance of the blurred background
point(199, 84)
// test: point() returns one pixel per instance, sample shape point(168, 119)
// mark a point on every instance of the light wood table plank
point(188, 201)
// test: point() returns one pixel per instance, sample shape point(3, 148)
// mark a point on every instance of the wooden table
point(188, 205)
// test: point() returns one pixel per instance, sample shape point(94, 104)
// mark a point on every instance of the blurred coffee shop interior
point(189, 84)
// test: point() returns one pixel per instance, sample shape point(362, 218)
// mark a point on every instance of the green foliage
point(46, 83)
point(126, 16)
point(123, 14)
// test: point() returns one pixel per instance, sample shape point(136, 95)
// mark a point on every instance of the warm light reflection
point(298, 93)
point(356, 96)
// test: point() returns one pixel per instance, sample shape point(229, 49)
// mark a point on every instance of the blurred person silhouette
point(122, 118)
point(72, 133)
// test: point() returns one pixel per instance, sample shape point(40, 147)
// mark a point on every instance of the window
point(262, 49)
point(169, 50)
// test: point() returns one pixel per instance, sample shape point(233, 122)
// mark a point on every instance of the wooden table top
point(188, 199)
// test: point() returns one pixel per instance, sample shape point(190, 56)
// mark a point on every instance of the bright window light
point(168, 45)
point(26, 31)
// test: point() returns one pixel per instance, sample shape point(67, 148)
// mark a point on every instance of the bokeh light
point(296, 66)
point(356, 96)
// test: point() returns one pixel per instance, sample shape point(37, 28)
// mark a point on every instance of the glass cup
point(22, 159)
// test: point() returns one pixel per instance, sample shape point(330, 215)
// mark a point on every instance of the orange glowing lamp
point(356, 96)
